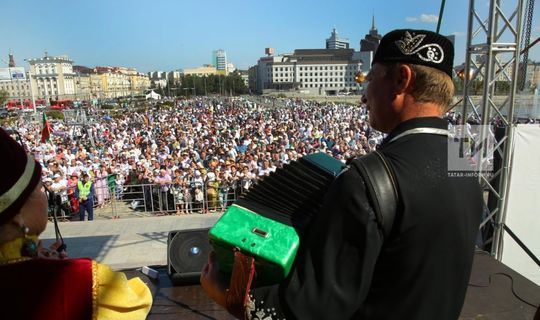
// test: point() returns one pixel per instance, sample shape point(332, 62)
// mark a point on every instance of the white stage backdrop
point(523, 214)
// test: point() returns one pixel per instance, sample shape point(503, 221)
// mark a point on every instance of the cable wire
point(511, 287)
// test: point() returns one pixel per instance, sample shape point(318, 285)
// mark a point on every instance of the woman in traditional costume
point(42, 283)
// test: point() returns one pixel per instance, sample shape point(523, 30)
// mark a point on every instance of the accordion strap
point(241, 279)
point(382, 188)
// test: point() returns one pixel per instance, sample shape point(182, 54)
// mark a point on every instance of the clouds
point(458, 34)
point(426, 18)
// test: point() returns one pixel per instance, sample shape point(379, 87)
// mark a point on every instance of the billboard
point(15, 73)
point(5, 74)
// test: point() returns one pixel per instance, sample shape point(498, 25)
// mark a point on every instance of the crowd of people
point(195, 156)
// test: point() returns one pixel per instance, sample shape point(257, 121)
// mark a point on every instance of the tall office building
point(220, 61)
point(368, 46)
point(335, 42)
point(372, 39)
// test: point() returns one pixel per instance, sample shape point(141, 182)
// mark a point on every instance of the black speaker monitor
point(187, 253)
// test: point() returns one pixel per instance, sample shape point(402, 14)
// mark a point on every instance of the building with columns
point(110, 82)
point(52, 78)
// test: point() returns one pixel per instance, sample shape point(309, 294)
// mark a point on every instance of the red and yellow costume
point(67, 289)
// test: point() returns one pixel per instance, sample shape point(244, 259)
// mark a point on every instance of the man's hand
point(52, 251)
point(213, 281)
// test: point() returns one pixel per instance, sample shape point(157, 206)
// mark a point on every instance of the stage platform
point(495, 292)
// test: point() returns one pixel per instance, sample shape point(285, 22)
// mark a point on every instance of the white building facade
point(310, 71)
point(220, 61)
point(52, 78)
point(335, 42)
point(15, 82)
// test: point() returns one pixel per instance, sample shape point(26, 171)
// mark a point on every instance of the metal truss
point(492, 58)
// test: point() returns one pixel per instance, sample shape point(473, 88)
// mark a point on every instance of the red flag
point(46, 131)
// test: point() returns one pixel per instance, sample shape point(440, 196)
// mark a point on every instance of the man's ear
point(404, 79)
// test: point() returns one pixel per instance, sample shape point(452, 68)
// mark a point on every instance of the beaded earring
point(29, 247)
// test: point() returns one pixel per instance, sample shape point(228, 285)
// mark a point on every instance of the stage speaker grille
point(187, 253)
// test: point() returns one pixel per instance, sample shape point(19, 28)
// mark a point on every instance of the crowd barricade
point(141, 200)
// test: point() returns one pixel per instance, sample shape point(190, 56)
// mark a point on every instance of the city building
point(114, 82)
point(88, 83)
point(109, 82)
point(532, 77)
point(220, 61)
point(82, 86)
point(244, 74)
point(368, 46)
point(173, 77)
point(14, 80)
point(157, 75)
point(372, 39)
point(52, 78)
point(139, 83)
point(17, 89)
point(253, 78)
point(311, 71)
point(205, 70)
point(335, 42)
point(230, 67)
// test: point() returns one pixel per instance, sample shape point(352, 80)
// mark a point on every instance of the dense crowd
point(203, 150)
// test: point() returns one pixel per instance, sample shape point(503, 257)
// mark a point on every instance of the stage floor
point(495, 292)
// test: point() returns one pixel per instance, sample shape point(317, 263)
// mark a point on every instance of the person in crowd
point(346, 267)
point(59, 188)
point(100, 186)
point(85, 194)
point(163, 181)
point(71, 187)
point(212, 185)
point(42, 282)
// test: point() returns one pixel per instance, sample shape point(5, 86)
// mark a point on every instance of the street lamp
point(31, 87)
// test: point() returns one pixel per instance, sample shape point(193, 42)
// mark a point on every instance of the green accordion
point(268, 221)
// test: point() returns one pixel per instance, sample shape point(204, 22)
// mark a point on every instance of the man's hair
point(430, 85)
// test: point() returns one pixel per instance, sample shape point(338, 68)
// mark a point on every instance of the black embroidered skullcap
point(19, 176)
point(421, 47)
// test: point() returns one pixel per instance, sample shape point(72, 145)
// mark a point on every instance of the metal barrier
point(141, 200)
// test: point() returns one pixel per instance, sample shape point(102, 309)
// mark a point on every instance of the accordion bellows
point(268, 221)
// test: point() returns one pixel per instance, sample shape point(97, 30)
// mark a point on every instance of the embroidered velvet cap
point(421, 47)
point(19, 176)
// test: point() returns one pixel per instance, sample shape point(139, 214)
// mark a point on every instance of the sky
point(176, 34)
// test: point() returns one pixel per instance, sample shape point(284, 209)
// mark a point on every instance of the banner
point(16, 73)
point(523, 202)
point(5, 74)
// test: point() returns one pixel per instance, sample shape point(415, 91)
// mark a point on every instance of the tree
point(213, 84)
point(3, 97)
point(159, 90)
